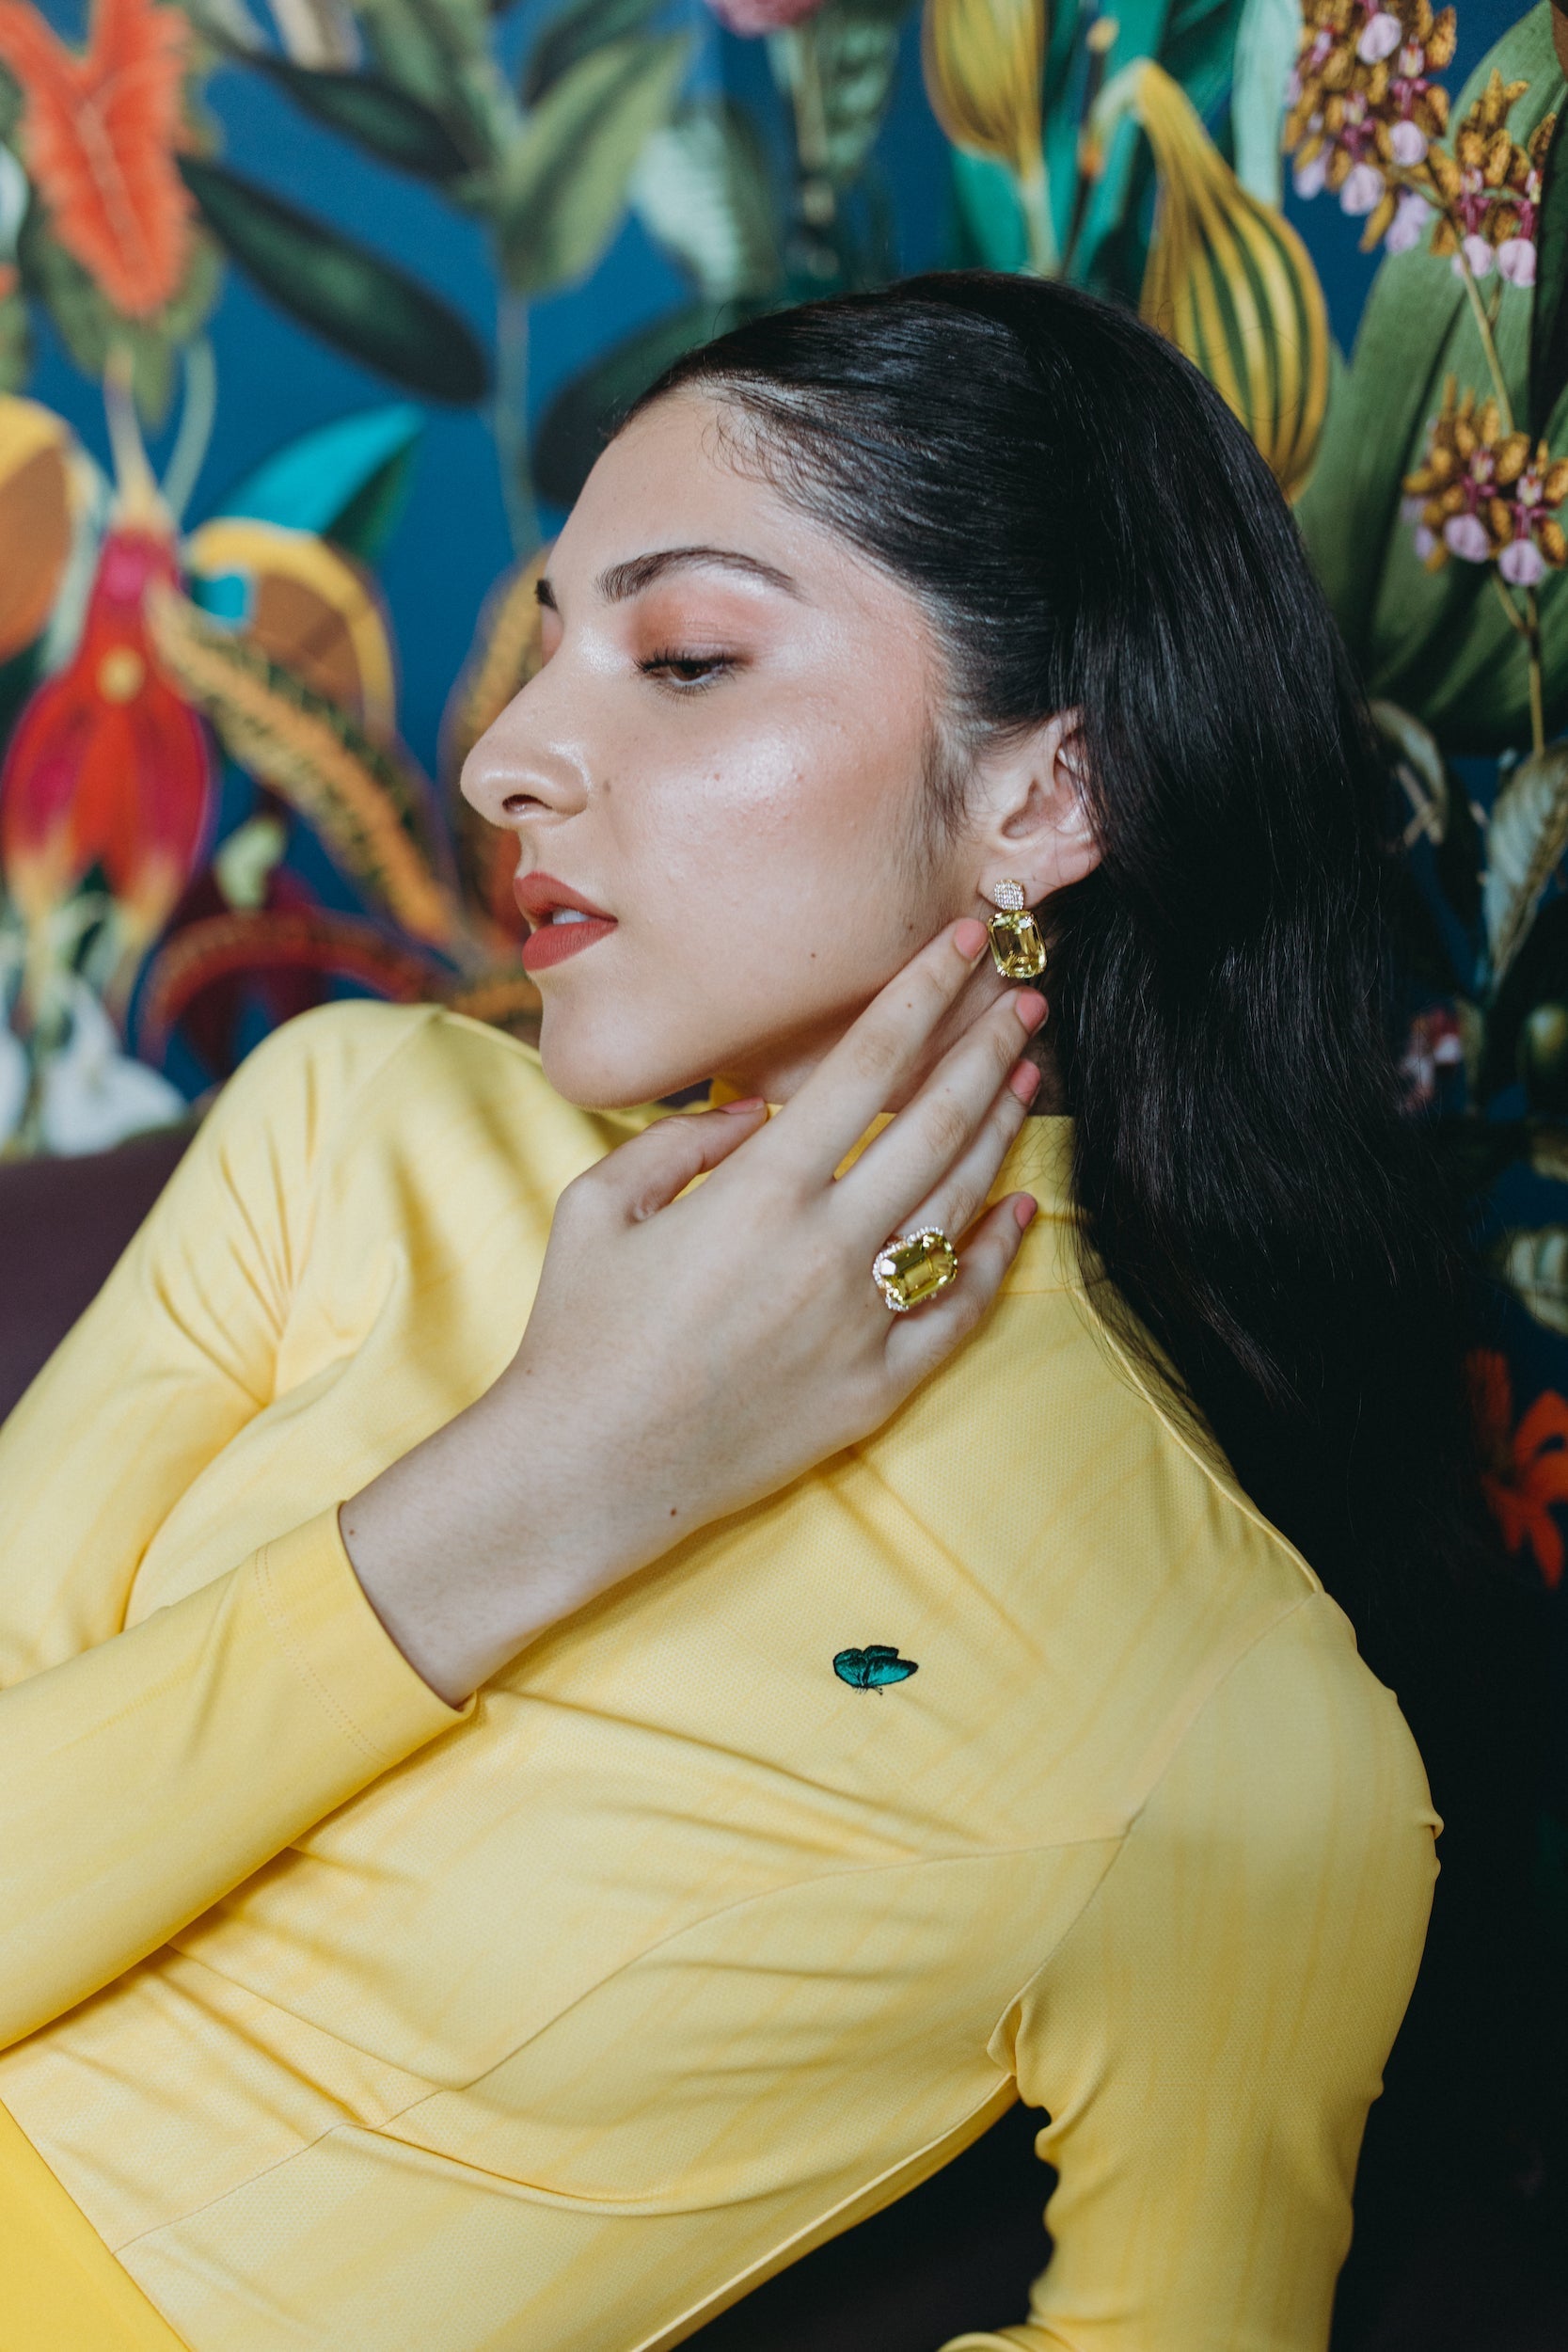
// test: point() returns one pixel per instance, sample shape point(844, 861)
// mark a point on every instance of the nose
point(517, 771)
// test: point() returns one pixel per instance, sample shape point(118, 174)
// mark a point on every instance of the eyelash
point(712, 666)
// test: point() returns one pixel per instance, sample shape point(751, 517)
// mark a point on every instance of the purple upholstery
point(62, 1225)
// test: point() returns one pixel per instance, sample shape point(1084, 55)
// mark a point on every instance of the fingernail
point(969, 937)
point(1024, 1079)
point(747, 1103)
point(1029, 1007)
point(1025, 1211)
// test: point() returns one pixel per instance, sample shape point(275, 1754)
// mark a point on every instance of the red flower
point(1525, 1470)
point(108, 764)
point(99, 134)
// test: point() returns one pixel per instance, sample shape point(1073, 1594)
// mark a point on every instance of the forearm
point(149, 1775)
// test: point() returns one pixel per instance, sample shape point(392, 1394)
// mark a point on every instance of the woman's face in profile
point(725, 753)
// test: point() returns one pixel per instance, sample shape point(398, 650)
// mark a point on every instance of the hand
point(690, 1352)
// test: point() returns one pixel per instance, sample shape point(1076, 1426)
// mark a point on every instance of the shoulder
point(402, 1112)
point(1298, 1789)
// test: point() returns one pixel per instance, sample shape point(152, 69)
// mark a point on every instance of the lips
point(564, 922)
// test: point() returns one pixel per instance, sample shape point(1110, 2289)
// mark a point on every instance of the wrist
point(464, 1558)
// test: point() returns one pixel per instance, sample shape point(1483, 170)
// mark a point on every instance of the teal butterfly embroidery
point(873, 1668)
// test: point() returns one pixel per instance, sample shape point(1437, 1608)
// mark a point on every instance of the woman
point(555, 1752)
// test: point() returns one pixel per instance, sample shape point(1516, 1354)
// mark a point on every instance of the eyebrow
point(629, 579)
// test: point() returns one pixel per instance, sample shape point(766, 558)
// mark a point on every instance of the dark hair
point(1089, 527)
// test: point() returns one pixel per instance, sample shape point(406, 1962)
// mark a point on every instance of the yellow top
point(554, 2026)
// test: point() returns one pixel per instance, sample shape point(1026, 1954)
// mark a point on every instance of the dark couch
point(1445, 2262)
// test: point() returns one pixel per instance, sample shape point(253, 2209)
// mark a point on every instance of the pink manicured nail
point(1024, 1211)
point(1024, 1079)
point(747, 1103)
point(969, 937)
point(1030, 1009)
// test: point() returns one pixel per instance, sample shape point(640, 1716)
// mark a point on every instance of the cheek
point(786, 817)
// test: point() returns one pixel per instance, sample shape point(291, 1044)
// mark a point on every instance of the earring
point(1015, 946)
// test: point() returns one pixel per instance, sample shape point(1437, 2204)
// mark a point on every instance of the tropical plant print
point(1524, 1466)
point(211, 813)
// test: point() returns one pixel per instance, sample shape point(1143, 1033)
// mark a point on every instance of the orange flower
point(99, 132)
point(1523, 1470)
point(108, 765)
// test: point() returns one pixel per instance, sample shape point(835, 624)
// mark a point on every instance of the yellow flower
point(985, 62)
point(1231, 284)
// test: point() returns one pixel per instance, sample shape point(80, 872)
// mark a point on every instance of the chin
point(605, 1075)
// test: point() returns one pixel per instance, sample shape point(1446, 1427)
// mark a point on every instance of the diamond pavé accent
point(1008, 896)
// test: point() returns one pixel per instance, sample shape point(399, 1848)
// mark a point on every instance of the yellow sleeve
point(148, 1771)
point(1208, 2038)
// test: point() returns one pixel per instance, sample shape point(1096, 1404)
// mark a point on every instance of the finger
point(959, 1199)
point(644, 1175)
point(936, 1131)
point(926, 1336)
point(875, 1056)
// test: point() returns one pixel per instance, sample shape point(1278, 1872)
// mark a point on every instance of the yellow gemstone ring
point(914, 1268)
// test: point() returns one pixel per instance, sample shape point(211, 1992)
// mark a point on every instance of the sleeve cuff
point(340, 1649)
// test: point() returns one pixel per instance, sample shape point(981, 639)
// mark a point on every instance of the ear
point(1030, 811)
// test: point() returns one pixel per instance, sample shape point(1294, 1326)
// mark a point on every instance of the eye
point(686, 673)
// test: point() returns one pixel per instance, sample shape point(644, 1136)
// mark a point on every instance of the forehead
point(672, 479)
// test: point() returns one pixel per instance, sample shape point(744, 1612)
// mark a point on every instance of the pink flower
point(1380, 37)
point(752, 18)
point(1465, 536)
point(1363, 189)
point(1408, 142)
point(1516, 261)
point(1479, 254)
point(1522, 564)
point(1409, 224)
point(1307, 179)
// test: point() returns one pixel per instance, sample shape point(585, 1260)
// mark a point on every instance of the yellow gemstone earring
point(1015, 946)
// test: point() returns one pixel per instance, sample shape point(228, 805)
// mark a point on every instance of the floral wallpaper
point(311, 317)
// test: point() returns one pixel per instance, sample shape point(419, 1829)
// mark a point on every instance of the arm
point(146, 1771)
point(1209, 2036)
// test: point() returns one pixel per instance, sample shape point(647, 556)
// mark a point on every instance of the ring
point(914, 1268)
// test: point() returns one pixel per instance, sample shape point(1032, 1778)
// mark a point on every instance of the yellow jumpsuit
point(332, 2017)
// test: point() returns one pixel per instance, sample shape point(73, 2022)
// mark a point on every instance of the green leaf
point(1549, 346)
point(851, 47)
point(562, 186)
point(88, 322)
point(1433, 802)
point(989, 213)
point(16, 345)
point(438, 52)
point(349, 296)
point(701, 189)
point(1538, 976)
point(1267, 40)
point(1140, 33)
point(581, 27)
point(344, 481)
point(376, 115)
point(1524, 845)
point(1438, 643)
point(579, 420)
point(1534, 1262)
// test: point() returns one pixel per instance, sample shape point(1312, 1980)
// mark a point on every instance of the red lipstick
point(564, 921)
